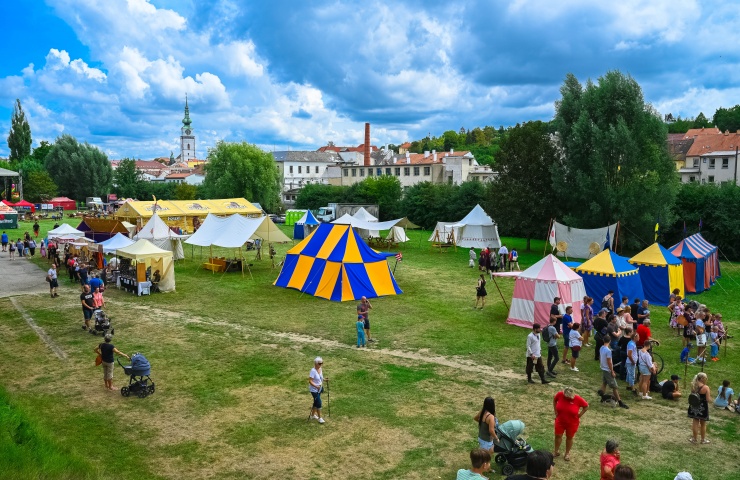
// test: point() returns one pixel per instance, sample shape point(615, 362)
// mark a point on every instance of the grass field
point(230, 357)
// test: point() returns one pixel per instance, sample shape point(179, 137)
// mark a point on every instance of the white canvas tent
point(579, 240)
point(115, 242)
point(364, 215)
point(144, 251)
point(476, 230)
point(65, 230)
point(157, 232)
point(397, 234)
point(235, 231)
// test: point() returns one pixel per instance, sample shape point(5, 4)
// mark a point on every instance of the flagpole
point(394, 266)
point(547, 240)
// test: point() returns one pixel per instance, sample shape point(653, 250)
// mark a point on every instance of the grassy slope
point(231, 395)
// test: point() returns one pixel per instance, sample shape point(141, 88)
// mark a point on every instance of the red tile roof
point(420, 159)
point(360, 148)
point(693, 132)
point(714, 143)
point(178, 175)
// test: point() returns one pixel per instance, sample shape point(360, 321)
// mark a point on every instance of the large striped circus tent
point(660, 272)
point(336, 264)
point(700, 262)
point(536, 288)
point(608, 271)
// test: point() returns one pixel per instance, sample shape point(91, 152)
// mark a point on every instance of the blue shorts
point(87, 313)
point(485, 445)
point(630, 375)
point(644, 370)
point(317, 399)
point(566, 341)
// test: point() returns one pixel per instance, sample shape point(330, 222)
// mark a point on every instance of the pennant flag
point(684, 229)
point(399, 256)
point(657, 230)
point(607, 244)
point(700, 224)
point(553, 242)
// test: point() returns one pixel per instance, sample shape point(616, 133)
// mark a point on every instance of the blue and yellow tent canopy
point(660, 272)
point(609, 264)
point(336, 264)
point(608, 271)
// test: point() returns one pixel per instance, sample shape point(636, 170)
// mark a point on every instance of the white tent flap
point(579, 240)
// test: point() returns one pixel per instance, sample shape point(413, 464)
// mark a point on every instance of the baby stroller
point(102, 323)
point(511, 450)
point(140, 384)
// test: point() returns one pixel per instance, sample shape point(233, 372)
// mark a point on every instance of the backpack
point(694, 399)
point(546, 334)
point(605, 303)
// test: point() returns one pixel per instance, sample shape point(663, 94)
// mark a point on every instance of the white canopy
point(235, 231)
point(144, 251)
point(347, 219)
point(116, 242)
point(364, 215)
point(157, 232)
point(64, 230)
point(477, 230)
point(397, 234)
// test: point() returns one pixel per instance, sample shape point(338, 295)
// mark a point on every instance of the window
point(692, 179)
point(299, 169)
point(725, 163)
point(354, 172)
point(388, 171)
point(470, 162)
point(406, 171)
point(416, 171)
point(379, 172)
point(398, 171)
point(427, 171)
point(711, 179)
point(346, 172)
point(317, 169)
point(711, 162)
point(369, 172)
point(362, 172)
point(696, 163)
point(290, 169)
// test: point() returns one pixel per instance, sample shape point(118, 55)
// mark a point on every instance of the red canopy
point(25, 204)
point(64, 202)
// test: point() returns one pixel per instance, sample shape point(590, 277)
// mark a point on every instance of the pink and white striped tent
point(537, 286)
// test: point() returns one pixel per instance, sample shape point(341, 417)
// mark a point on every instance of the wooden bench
point(214, 267)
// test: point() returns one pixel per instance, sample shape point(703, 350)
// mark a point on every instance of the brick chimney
point(367, 145)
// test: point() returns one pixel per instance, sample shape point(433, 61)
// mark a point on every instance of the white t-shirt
point(574, 339)
point(52, 273)
point(503, 251)
point(645, 359)
point(318, 379)
point(701, 340)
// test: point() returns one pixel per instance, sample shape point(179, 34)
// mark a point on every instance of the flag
point(684, 229)
point(700, 224)
point(553, 242)
point(657, 229)
point(399, 256)
point(607, 244)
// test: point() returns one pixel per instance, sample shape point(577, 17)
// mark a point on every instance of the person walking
point(487, 423)
point(513, 260)
point(503, 254)
point(360, 331)
point(51, 277)
point(480, 292)
point(363, 308)
point(36, 229)
point(32, 247)
point(88, 306)
point(534, 355)
point(567, 322)
point(106, 351)
point(699, 407)
point(11, 249)
point(608, 375)
point(550, 334)
point(569, 408)
point(4, 241)
point(316, 381)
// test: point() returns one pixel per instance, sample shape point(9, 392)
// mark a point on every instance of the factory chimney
point(367, 145)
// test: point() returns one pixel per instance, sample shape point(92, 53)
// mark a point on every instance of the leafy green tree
point(701, 121)
point(385, 191)
point(79, 170)
point(426, 203)
point(680, 125)
point(39, 187)
point(127, 179)
point(522, 197)
point(243, 170)
point(184, 191)
point(161, 190)
point(727, 118)
point(315, 195)
point(451, 140)
point(615, 162)
point(40, 152)
point(19, 138)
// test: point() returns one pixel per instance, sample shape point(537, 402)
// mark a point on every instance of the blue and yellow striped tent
point(608, 271)
point(336, 264)
point(660, 273)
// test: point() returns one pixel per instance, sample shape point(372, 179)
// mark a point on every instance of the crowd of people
point(490, 261)
point(22, 247)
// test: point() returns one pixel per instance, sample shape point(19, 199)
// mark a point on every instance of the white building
point(300, 168)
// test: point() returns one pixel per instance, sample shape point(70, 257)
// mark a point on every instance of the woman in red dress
point(569, 408)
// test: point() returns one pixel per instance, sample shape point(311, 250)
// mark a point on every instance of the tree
point(38, 187)
point(127, 179)
point(701, 121)
point(79, 170)
point(727, 118)
point(243, 170)
point(185, 191)
point(521, 197)
point(19, 138)
point(426, 203)
point(385, 191)
point(40, 152)
point(315, 195)
point(615, 163)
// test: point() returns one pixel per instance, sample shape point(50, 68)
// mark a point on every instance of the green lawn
point(231, 357)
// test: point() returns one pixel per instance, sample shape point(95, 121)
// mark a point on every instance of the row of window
point(388, 171)
point(308, 169)
point(713, 162)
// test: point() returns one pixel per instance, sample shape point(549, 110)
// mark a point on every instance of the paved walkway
point(20, 277)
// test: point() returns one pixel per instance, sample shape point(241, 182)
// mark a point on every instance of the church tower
point(187, 139)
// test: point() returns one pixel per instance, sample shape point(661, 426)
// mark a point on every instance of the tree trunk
point(529, 244)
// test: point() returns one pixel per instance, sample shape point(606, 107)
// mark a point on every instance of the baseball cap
point(604, 310)
point(675, 377)
point(360, 316)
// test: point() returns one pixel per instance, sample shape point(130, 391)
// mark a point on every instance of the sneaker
point(647, 397)
point(549, 374)
point(623, 405)
point(545, 382)
point(692, 440)
point(705, 441)
point(529, 380)
point(554, 373)
point(321, 420)
point(84, 327)
point(574, 369)
point(589, 345)
point(314, 417)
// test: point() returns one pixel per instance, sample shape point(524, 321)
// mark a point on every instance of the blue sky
point(296, 74)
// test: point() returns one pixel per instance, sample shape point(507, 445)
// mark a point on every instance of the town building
point(300, 168)
point(712, 157)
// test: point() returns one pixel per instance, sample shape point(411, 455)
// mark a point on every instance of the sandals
point(705, 441)
point(567, 457)
point(692, 440)
point(557, 454)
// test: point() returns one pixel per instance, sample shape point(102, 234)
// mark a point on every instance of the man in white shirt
point(51, 277)
point(503, 253)
point(534, 355)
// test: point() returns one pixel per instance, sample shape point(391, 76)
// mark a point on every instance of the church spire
point(186, 121)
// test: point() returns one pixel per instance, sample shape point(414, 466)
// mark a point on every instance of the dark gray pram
point(511, 450)
point(140, 383)
point(102, 323)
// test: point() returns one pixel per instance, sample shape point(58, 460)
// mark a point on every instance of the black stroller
point(139, 384)
point(102, 323)
point(511, 450)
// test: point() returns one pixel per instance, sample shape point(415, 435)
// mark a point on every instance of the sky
point(297, 74)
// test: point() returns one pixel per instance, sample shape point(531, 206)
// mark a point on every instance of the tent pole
point(502, 295)
point(547, 240)
point(241, 260)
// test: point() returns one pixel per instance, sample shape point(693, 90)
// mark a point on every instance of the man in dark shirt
point(88, 305)
point(633, 308)
point(643, 312)
point(555, 313)
point(600, 325)
point(82, 273)
point(539, 466)
point(669, 390)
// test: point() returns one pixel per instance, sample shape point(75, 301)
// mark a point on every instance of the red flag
point(399, 256)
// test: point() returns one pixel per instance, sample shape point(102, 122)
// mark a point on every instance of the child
point(609, 459)
point(360, 331)
point(685, 354)
point(98, 301)
point(714, 343)
point(724, 397)
point(701, 344)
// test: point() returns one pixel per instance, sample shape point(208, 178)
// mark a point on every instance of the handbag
point(98, 360)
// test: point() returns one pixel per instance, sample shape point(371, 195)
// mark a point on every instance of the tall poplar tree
point(19, 138)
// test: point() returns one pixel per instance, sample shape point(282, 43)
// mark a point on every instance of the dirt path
point(20, 277)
